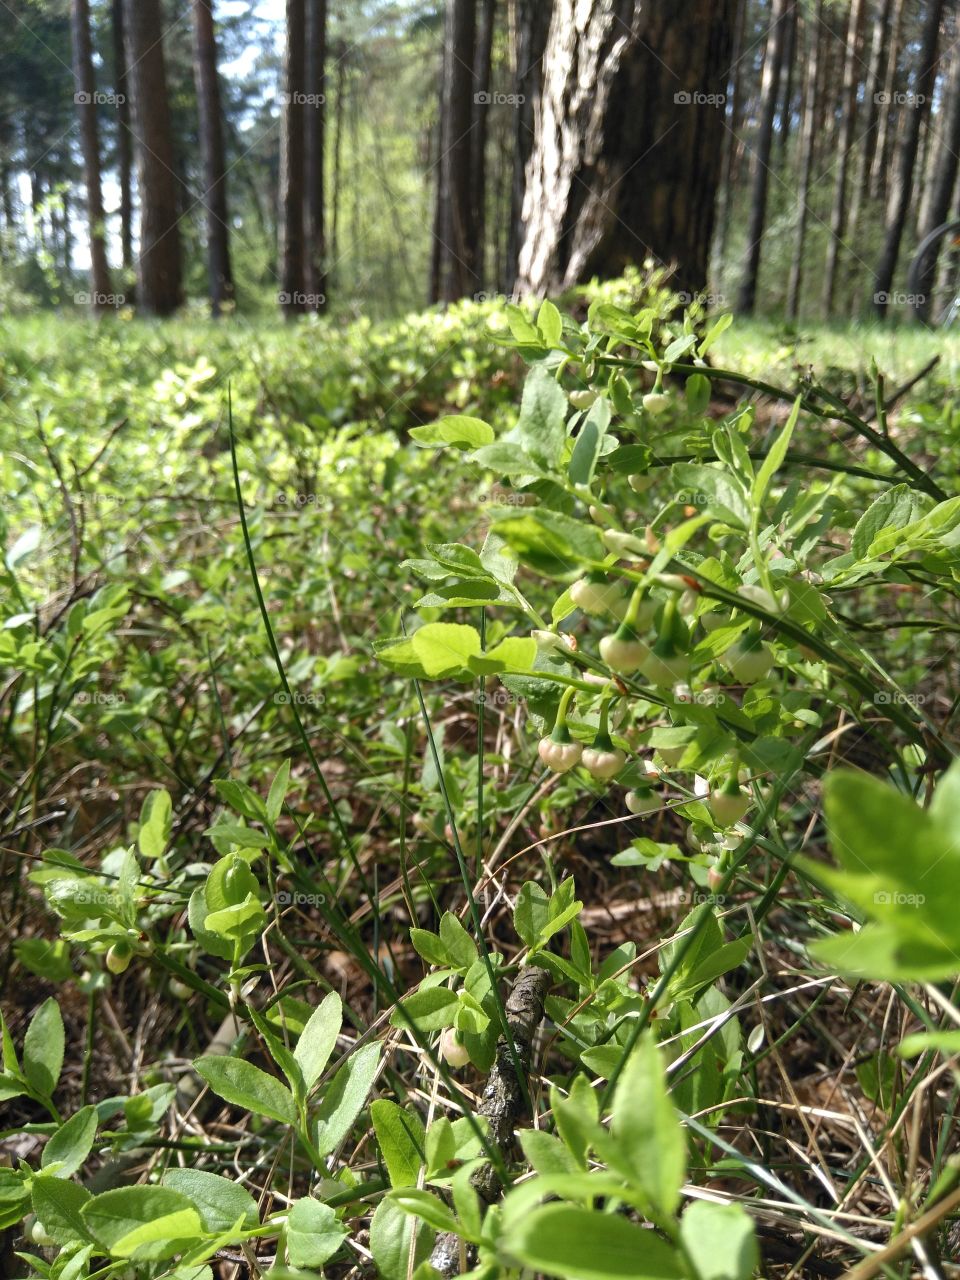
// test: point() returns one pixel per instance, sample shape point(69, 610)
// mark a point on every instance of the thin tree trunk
point(214, 159)
point(531, 27)
point(944, 177)
point(746, 300)
point(861, 182)
point(878, 176)
point(159, 263)
point(788, 63)
point(292, 295)
point(458, 265)
point(731, 111)
point(439, 192)
point(86, 101)
point(807, 146)
point(848, 114)
point(338, 154)
point(124, 135)
point(315, 219)
point(903, 177)
point(481, 112)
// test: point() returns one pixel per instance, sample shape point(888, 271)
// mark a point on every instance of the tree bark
point(292, 294)
point(944, 177)
point(746, 300)
point(159, 265)
point(903, 175)
point(626, 161)
point(124, 135)
point(730, 134)
point(848, 115)
point(878, 175)
point(214, 159)
point(807, 147)
point(458, 276)
point(86, 101)
point(315, 144)
point(861, 182)
point(481, 113)
point(531, 28)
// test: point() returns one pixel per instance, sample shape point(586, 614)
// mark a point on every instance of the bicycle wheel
point(933, 281)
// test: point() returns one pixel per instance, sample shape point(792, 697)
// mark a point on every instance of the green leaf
point(721, 326)
point(589, 444)
point(430, 1008)
point(278, 791)
point(428, 1207)
point(774, 459)
point(457, 430)
point(391, 1231)
point(152, 1223)
point(947, 1042)
point(697, 390)
point(460, 948)
point(581, 1244)
point(647, 1144)
point(156, 820)
point(71, 1144)
point(43, 1048)
point(400, 1134)
point(515, 653)
point(445, 648)
point(220, 1203)
point(318, 1039)
point(550, 323)
point(720, 1241)
point(47, 959)
point(244, 1085)
point(58, 1203)
point(542, 428)
point(314, 1233)
point(346, 1096)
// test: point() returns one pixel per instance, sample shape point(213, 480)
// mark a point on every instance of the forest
point(479, 588)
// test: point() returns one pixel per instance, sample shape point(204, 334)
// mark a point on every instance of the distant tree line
point(789, 149)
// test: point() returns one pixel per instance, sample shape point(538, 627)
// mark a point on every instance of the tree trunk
point(86, 99)
point(787, 66)
point(626, 160)
point(124, 135)
point(292, 295)
point(878, 175)
point(944, 177)
point(214, 160)
point(848, 113)
point(531, 28)
point(458, 276)
point(481, 112)
point(730, 134)
point(159, 262)
point(807, 145)
point(861, 182)
point(903, 176)
point(747, 298)
point(315, 146)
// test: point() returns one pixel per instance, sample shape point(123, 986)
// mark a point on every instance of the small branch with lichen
point(503, 1103)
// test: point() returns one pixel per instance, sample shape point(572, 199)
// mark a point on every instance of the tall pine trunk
point(902, 178)
point(848, 115)
point(626, 160)
point(944, 176)
point(747, 297)
point(159, 266)
point(807, 146)
point(85, 99)
point(478, 142)
point(214, 160)
point(531, 27)
point(457, 267)
point(292, 295)
point(124, 135)
point(887, 114)
point(315, 265)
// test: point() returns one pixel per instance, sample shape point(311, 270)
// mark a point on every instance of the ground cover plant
point(488, 809)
